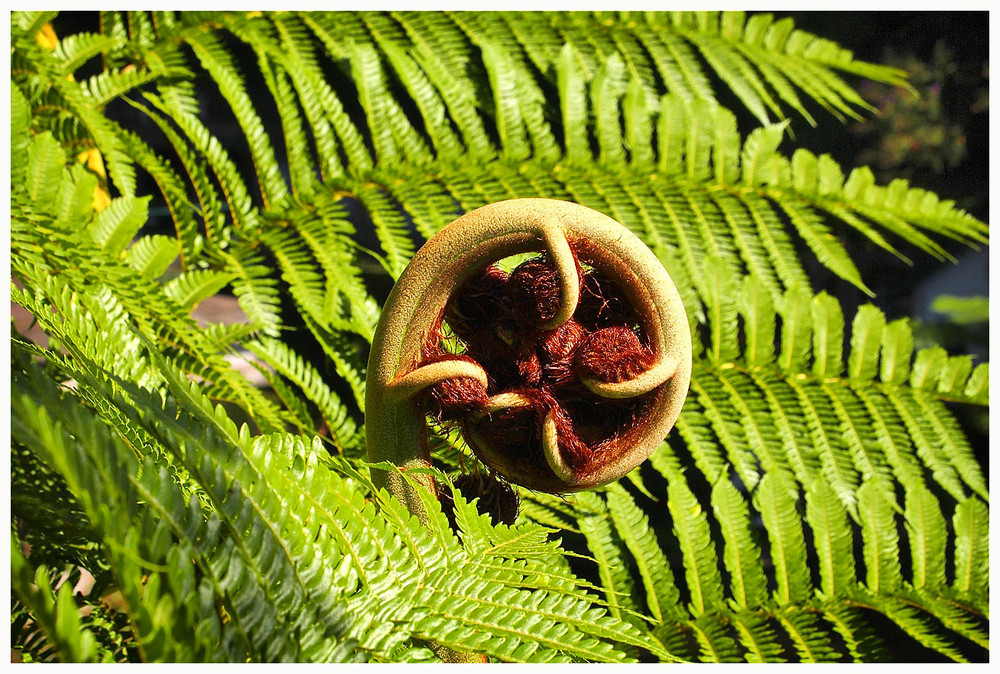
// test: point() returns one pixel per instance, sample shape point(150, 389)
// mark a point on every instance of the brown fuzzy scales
point(498, 319)
point(612, 355)
point(602, 304)
point(452, 399)
point(535, 292)
point(557, 348)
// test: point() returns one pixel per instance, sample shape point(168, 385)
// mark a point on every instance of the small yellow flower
point(101, 198)
point(47, 37)
point(93, 160)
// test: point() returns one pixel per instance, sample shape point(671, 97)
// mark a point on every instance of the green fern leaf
point(878, 529)
point(632, 525)
point(971, 522)
point(925, 527)
point(190, 288)
point(757, 637)
point(115, 226)
point(828, 336)
point(741, 554)
point(831, 538)
point(151, 255)
point(46, 160)
point(605, 545)
point(774, 498)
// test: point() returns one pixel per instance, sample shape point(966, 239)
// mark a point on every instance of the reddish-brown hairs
point(498, 318)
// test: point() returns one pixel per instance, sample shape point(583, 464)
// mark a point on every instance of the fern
point(818, 500)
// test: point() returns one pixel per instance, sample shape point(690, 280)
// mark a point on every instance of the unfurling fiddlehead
point(575, 364)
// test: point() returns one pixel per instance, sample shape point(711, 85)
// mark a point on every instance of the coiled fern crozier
point(184, 489)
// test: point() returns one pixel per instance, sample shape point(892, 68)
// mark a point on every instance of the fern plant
point(817, 500)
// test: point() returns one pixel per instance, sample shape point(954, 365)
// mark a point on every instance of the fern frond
point(309, 382)
point(971, 522)
point(632, 524)
point(775, 499)
point(55, 610)
point(832, 539)
point(741, 553)
point(606, 546)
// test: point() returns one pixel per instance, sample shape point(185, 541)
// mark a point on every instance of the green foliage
point(818, 500)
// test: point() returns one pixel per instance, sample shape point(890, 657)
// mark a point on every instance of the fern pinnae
point(712, 632)
point(174, 190)
point(218, 63)
point(803, 629)
point(733, 69)
point(971, 523)
point(955, 615)
point(671, 133)
point(926, 528)
point(823, 243)
point(234, 190)
point(298, 269)
point(115, 226)
point(345, 354)
point(722, 416)
point(690, 525)
point(912, 620)
point(637, 63)
point(75, 50)
point(293, 50)
point(309, 381)
point(605, 545)
point(390, 226)
point(151, 255)
point(662, 597)
point(703, 210)
point(508, 117)
point(881, 540)
point(573, 105)
point(892, 440)
point(746, 241)
point(864, 447)
point(828, 336)
point(255, 290)
point(759, 152)
point(775, 75)
point(897, 350)
point(54, 610)
point(927, 365)
point(288, 85)
point(796, 328)
point(105, 134)
point(694, 429)
point(720, 304)
point(751, 404)
point(109, 85)
point(774, 239)
point(954, 443)
point(757, 637)
point(679, 53)
point(775, 498)
point(606, 91)
point(741, 554)
point(429, 102)
point(832, 539)
point(954, 374)
point(866, 339)
point(188, 289)
point(792, 428)
point(922, 434)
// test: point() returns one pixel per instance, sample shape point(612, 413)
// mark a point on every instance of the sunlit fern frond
point(818, 500)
